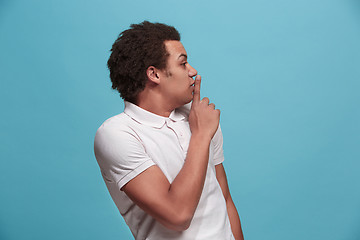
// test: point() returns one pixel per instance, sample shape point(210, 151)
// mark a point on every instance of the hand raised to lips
point(203, 118)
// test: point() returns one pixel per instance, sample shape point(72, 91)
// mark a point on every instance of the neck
point(155, 103)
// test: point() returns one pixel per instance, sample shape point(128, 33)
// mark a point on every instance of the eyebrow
point(182, 55)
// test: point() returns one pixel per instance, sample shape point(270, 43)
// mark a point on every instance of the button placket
point(179, 134)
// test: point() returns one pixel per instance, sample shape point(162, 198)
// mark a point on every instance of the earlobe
point(153, 74)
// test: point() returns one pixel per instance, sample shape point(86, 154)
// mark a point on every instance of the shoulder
point(116, 123)
point(116, 140)
point(115, 128)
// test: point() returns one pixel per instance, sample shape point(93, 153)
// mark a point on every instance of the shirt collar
point(148, 118)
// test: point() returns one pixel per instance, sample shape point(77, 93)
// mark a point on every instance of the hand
point(203, 118)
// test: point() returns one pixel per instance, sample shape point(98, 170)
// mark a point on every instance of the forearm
point(186, 189)
point(234, 219)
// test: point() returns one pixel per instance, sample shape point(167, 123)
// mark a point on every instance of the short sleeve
point(217, 143)
point(120, 155)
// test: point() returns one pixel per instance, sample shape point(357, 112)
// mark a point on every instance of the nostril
point(192, 73)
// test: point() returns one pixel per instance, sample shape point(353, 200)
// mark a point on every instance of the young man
point(161, 159)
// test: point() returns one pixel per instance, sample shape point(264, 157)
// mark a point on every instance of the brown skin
point(174, 204)
point(169, 88)
point(231, 209)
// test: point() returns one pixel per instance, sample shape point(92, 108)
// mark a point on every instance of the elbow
point(183, 224)
point(180, 222)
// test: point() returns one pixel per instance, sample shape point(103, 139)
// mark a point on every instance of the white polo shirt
point(129, 143)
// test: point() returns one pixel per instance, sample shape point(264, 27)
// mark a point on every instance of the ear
point(153, 74)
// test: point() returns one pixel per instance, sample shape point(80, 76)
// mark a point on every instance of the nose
point(192, 71)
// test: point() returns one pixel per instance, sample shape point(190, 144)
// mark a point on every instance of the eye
point(184, 64)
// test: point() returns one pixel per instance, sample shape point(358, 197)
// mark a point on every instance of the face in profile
point(177, 83)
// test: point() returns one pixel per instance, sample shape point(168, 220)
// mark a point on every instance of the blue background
point(285, 75)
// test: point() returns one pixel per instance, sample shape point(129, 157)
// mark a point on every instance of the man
point(161, 159)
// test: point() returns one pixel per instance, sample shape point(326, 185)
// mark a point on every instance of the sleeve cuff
point(218, 160)
point(142, 167)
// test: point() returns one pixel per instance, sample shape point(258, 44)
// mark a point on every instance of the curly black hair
point(134, 51)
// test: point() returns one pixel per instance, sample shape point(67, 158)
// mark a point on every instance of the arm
point(231, 209)
point(174, 204)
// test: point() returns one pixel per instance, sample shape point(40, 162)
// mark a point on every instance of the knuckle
point(205, 99)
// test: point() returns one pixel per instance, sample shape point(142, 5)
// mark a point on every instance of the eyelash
point(184, 64)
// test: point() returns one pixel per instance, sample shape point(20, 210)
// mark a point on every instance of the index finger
point(196, 95)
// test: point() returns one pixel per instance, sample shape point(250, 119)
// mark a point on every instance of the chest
point(168, 146)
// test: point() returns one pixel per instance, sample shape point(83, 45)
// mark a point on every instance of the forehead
point(174, 48)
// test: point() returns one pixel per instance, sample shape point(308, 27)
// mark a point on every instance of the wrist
point(201, 137)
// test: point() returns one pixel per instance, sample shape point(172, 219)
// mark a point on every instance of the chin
point(183, 102)
point(189, 99)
